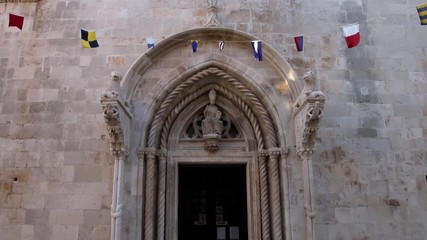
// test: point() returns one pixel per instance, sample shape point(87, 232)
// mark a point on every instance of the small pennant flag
point(150, 42)
point(16, 21)
point(351, 34)
point(194, 45)
point(422, 11)
point(299, 42)
point(221, 45)
point(257, 47)
point(89, 39)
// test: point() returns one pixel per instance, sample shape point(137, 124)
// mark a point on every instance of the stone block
point(10, 232)
point(36, 216)
point(27, 232)
point(66, 217)
point(95, 232)
point(67, 173)
point(86, 201)
point(58, 201)
point(87, 174)
point(37, 107)
point(65, 232)
point(32, 201)
point(97, 217)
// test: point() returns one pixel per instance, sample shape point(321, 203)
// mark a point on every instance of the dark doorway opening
point(212, 202)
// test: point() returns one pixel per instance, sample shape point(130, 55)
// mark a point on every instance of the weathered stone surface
point(370, 164)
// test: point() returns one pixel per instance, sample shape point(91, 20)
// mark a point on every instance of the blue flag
point(299, 42)
point(257, 47)
point(194, 45)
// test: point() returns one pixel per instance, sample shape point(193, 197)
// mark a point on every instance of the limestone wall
point(370, 166)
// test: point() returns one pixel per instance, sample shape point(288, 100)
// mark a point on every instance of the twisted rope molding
point(161, 198)
point(274, 184)
point(265, 211)
point(160, 118)
point(254, 100)
point(150, 198)
point(235, 99)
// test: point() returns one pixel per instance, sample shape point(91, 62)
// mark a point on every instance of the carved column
point(150, 194)
point(263, 181)
point(161, 197)
point(274, 194)
point(117, 116)
point(305, 156)
point(116, 203)
point(308, 110)
point(284, 179)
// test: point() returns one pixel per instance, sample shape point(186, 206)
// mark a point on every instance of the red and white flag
point(351, 34)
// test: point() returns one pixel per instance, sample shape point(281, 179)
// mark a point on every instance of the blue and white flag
point(194, 45)
point(257, 47)
point(150, 42)
point(221, 45)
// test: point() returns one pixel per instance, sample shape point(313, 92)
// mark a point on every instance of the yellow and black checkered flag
point(422, 12)
point(89, 39)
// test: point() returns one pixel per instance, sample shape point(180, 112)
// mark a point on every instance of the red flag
point(351, 34)
point(16, 21)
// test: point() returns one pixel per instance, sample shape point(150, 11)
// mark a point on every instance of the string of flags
point(351, 34)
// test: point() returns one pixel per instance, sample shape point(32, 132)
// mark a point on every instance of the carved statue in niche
point(212, 124)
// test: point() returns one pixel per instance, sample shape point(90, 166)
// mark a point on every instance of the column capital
point(305, 152)
point(274, 152)
point(120, 152)
point(262, 153)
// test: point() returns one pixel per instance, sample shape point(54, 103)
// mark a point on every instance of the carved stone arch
point(248, 102)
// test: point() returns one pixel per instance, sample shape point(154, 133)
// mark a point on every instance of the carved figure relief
point(212, 123)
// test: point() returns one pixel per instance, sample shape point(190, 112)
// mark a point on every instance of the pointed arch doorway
point(246, 137)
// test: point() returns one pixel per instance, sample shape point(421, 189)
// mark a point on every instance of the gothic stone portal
point(217, 124)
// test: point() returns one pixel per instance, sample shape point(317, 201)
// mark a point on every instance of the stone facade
point(336, 154)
